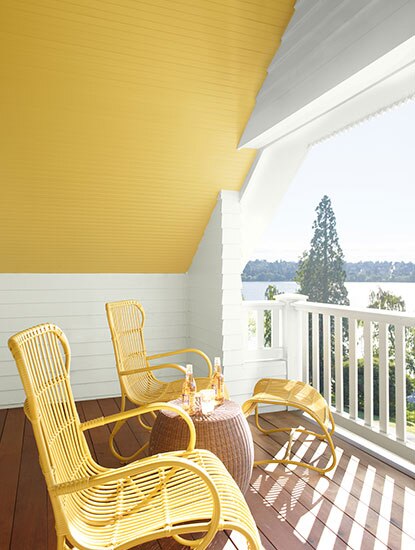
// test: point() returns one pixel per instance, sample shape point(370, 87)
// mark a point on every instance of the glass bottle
point(189, 391)
point(218, 382)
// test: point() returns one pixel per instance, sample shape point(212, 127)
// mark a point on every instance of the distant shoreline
point(347, 281)
point(356, 272)
point(358, 292)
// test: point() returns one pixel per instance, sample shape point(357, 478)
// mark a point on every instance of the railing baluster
point(400, 378)
point(383, 378)
point(275, 328)
point(353, 388)
point(316, 351)
point(306, 333)
point(327, 357)
point(368, 372)
point(260, 328)
point(338, 354)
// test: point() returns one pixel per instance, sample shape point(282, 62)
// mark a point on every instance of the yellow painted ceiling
point(119, 122)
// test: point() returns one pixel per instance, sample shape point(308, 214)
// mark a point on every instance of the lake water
point(358, 292)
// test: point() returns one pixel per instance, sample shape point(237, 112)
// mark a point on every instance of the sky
point(368, 172)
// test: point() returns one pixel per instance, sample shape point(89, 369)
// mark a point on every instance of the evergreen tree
point(320, 272)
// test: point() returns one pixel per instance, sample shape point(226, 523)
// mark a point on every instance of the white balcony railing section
point(332, 348)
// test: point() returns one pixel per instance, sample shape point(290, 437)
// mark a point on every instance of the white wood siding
point(76, 303)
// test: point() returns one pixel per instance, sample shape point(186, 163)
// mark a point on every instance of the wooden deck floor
point(362, 504)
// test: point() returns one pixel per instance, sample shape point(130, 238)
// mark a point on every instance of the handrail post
point(292, 335)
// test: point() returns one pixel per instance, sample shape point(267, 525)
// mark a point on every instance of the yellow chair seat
point(302, 396)
point(119, 512)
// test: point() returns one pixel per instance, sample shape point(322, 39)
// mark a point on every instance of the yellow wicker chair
point(168, 495)
point(291, 393)
point(137, 380)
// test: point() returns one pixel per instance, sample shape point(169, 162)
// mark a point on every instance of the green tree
point(270, 294)
point(410, 387)
point(320, 272)
point(382, 299)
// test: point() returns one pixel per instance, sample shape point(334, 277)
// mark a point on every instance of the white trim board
point(327, 51)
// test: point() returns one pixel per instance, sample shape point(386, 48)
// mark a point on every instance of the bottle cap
point(189, 369)
point(216, 361)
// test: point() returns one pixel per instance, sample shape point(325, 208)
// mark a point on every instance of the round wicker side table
point(225, 432)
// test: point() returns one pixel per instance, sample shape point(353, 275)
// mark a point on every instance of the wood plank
point(348, 451)
point(311, 501)
point(87, 434)
point(363, 503)
point(279, 533)
point(350, 483)
point(30, 515)
point(51, 527)
point(99, 436)
point(382, 468)
point(223, 541)
point(3, 414)
point(289, 509)
point(238, 541)
point(139, 432)
point(131, 436)
point(10, 459)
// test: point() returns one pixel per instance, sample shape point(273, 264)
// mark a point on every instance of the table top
point(222, 413)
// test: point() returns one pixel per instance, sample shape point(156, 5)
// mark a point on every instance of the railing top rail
point(263, 304)
point(363, 314)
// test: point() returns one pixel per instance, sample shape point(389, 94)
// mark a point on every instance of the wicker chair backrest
point(126, 321)
point(42, 356)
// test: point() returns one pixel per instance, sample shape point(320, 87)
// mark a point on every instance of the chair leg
point(186, 542)
point(143, 424)
point(61, 543)
point(325, 436)
point(194, 543)
point(263, 430)
point(114, 432)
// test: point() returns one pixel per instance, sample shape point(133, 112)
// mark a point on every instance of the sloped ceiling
point(119, 125)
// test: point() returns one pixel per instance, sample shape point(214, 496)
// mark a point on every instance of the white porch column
point(215, 288)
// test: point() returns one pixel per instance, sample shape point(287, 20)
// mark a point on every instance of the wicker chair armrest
point(103, 420)
point(154, 367)
point(185, 350)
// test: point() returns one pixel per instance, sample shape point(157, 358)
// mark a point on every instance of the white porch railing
point(319, 341)
point(264, 337)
